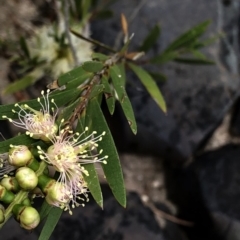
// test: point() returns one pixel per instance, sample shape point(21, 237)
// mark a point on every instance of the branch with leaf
point(65, 129)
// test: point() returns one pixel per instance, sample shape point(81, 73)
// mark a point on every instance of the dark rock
point(5, 131)
point(184, 190)
point(234, 127)
point(207, 193)
point(114, 222)
point(197, 96)
point(136, 221)
point(218, 174)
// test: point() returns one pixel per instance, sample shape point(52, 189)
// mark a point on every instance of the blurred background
point(182, 168)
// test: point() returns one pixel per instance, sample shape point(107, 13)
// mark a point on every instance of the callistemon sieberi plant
point(65, 135)
point(63, 150)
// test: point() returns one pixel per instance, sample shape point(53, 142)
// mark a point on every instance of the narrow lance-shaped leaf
point(112, 169)
point(45, 210)
point(159, 77)
point(99, 56)
point(91, 180)
point(92, 66)
point(164, 57)
point(116, 76)
point(151, 39)
point(150, 85)
point(198, 54)
point(122, 71)
point(67, 111)
point(97, 89)
point(188, 37)
point(74, 74)
point(19, 84)
point(109, 95)
point(50, 224)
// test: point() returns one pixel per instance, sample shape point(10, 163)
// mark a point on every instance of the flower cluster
point(64, 151)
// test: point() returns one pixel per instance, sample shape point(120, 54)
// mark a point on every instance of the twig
point(66, 22)
point(88, 89)
point(93, 41)
point(170, 217)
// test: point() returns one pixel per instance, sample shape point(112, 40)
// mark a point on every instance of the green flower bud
point(27, 216)
point(57, 195)
point(5, 195)
point(26, 202)
point(26, 178)
point(19, 155)
point(10, 183)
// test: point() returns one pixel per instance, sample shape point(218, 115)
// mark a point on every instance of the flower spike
point(39, 124)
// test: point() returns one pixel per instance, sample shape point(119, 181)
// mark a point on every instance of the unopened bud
point(26, 202)
point(27, 216)
point(19, 155)
point(27, 178)
point(10, 183)
point(5, 195)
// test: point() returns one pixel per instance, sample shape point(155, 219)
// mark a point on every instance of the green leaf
point(188, 37)
point(99, 56)
point(97, 89)
point(91, 180)
point(116, 76)
point(121, 67)
point(150, 85)
point(194, 61)
point(18, 140)
point(60, 98)
point(77, 74)
point(67, 111)
point(93, 184)
point(198, 54)
point(125, 46)
point(20, 84)
point(92, 66)
point(50, 224)
point(109, 95)
point(151, 39)
point(164, 57)
point(45, 210)
point(24, 47)
point(112, 169)
point(159, 77)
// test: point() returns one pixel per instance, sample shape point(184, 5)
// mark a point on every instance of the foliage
point(79, 93)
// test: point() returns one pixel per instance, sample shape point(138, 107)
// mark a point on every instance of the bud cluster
point(62, 150)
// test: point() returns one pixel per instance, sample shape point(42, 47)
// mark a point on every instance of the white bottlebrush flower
point(48, 46)
point(40, 124)
point(68, 154)
point(59, 195)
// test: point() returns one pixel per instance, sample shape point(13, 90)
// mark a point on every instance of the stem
point(93, 41)
point(21, 196)
point(96, 79)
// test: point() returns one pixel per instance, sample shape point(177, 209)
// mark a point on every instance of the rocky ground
point(181, 170)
